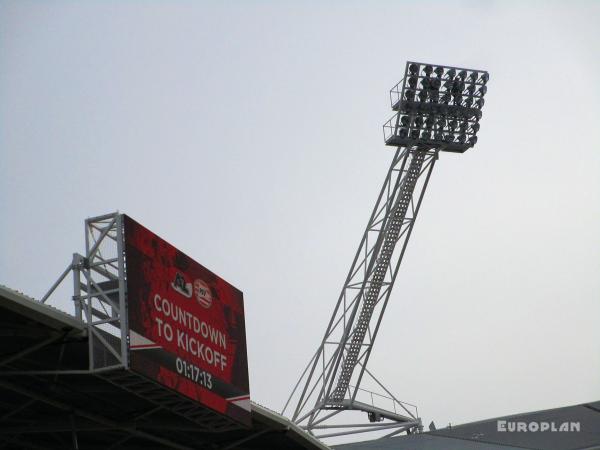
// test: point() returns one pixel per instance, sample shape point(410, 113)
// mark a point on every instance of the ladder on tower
point(390, 237)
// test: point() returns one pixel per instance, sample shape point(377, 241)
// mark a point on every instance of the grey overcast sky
point(249, 135)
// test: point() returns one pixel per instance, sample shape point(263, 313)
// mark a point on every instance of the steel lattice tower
point(438, 108)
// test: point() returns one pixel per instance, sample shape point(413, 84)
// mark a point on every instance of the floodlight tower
point(438, 108)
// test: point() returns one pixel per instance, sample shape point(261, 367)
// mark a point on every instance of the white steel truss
point(331, 381)
point(99, 292)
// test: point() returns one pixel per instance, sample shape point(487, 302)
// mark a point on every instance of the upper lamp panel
point(437, 107)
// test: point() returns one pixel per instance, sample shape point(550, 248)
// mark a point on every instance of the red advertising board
point(186, 325)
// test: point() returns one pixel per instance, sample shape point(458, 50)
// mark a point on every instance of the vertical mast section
point(378, 267)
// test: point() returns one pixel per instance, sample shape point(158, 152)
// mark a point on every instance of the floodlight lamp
point(471, 89)
point(425, 83)
point(452, 124)
point(426, 135)
point(462, 138)
point(423, 95)
point(439, 71)
point(462, 74)
point(429, 121)
point(418, 121)
point(450, 74)
point(405, 120)
point(468, 103)
point(435, 84)
point(412, 82)
point(414, 133)
point(458, 86)
point(414, 69)
point(428, 70)
point(484, 78)
point(473, 140)
point(403, 133)
point(479, 103)
point(475, 127)
point(473, 77)
point(410, 95)
point(482, 91)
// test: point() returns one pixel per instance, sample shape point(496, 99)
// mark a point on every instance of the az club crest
point(181, 286)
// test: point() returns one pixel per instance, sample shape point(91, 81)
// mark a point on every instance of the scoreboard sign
point(186, 325)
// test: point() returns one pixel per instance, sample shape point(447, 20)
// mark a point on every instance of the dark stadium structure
point(48, 402)
point(43, 409)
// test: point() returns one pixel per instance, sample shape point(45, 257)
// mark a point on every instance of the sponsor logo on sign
point(203, 294)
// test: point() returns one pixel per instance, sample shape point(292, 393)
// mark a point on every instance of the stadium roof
point(484, 435)
point(44, 408)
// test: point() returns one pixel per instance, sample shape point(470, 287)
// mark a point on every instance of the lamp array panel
point(437, 106)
